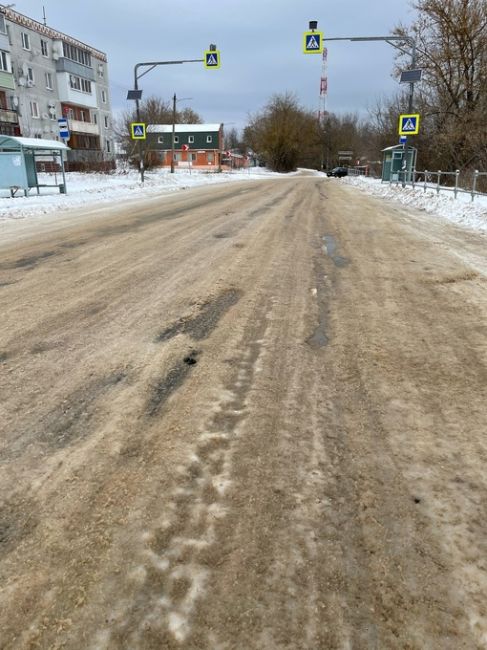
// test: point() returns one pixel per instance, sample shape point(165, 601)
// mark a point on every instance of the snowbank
point(92, 189)
point(460, 211)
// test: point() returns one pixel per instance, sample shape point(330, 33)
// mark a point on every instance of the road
point(246, 417)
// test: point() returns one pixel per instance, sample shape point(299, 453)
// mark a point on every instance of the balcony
point(78, 126)
point(9, 117)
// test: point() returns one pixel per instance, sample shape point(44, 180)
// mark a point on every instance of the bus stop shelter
point(392, 163)
point(18, 163)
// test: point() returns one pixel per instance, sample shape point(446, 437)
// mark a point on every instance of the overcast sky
point(260, 43)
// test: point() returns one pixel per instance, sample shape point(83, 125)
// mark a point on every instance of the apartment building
point(45, 75)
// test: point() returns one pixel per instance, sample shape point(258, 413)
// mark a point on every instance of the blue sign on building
point(63, 128)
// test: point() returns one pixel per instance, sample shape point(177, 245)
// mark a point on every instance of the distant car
point(338, 172)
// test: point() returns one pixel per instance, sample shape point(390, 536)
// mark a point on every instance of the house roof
point(14, 142)
point(183, 128)
point(30, 23)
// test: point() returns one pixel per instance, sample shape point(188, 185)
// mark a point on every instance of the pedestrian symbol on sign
point(313, 42)
point(138, 130)
point(212, 59)
point(409, 124)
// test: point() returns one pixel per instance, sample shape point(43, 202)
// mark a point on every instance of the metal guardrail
point(432, 180)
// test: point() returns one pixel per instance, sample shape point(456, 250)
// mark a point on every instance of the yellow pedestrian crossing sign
point(137, 130)
point(313, 42)
point(409, 124)
point(212, 59)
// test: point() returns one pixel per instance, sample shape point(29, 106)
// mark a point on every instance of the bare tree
point(452, 50)
point(284, 134)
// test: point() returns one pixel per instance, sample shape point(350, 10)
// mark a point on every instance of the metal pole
point(173, 131)
point(64, 173)
point(137, 112)
point(151, 65)
point(474, 184)
point(457, 174)
point(410, 110)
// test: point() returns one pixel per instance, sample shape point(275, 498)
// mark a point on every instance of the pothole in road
point(28, 262)
point(204, 322)
point(170, 382)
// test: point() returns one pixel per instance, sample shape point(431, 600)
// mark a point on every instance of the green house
point(199, 145)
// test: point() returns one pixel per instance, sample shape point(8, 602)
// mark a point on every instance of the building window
point(44, 48)
point(103, 97)
point(109, 146)
point(210, 157)
point(106, 121)
point(95, 118)
point(48, 80)
point(25, 40)
point(4, 61)
point(3, 28)
point(77, 54)
point(176, 139)
point(190, 139)
point(77, 83)
point(101, 70)
point(193, 157)
point(209, 138)
point(34, 109)
point(178, 156)
point(30, 74)
point(160, 139)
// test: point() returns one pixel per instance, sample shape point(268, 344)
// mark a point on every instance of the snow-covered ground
point(87, 190)
point(90, 190)
point(460, 211)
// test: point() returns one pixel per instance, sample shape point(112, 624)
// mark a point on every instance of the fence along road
point(428, 177)
point(250, 416)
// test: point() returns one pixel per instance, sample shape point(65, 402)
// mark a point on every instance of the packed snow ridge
point(461, 211)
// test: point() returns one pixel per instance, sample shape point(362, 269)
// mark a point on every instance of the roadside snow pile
point(460, 211)
point(93, 189)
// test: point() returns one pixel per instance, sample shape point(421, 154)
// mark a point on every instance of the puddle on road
point(320, 338)
point(330, 249)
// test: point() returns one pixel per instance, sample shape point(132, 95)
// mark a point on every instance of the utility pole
point(173, 131)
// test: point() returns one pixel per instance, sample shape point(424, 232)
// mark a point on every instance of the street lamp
point(136, 93)
point(394, 41)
